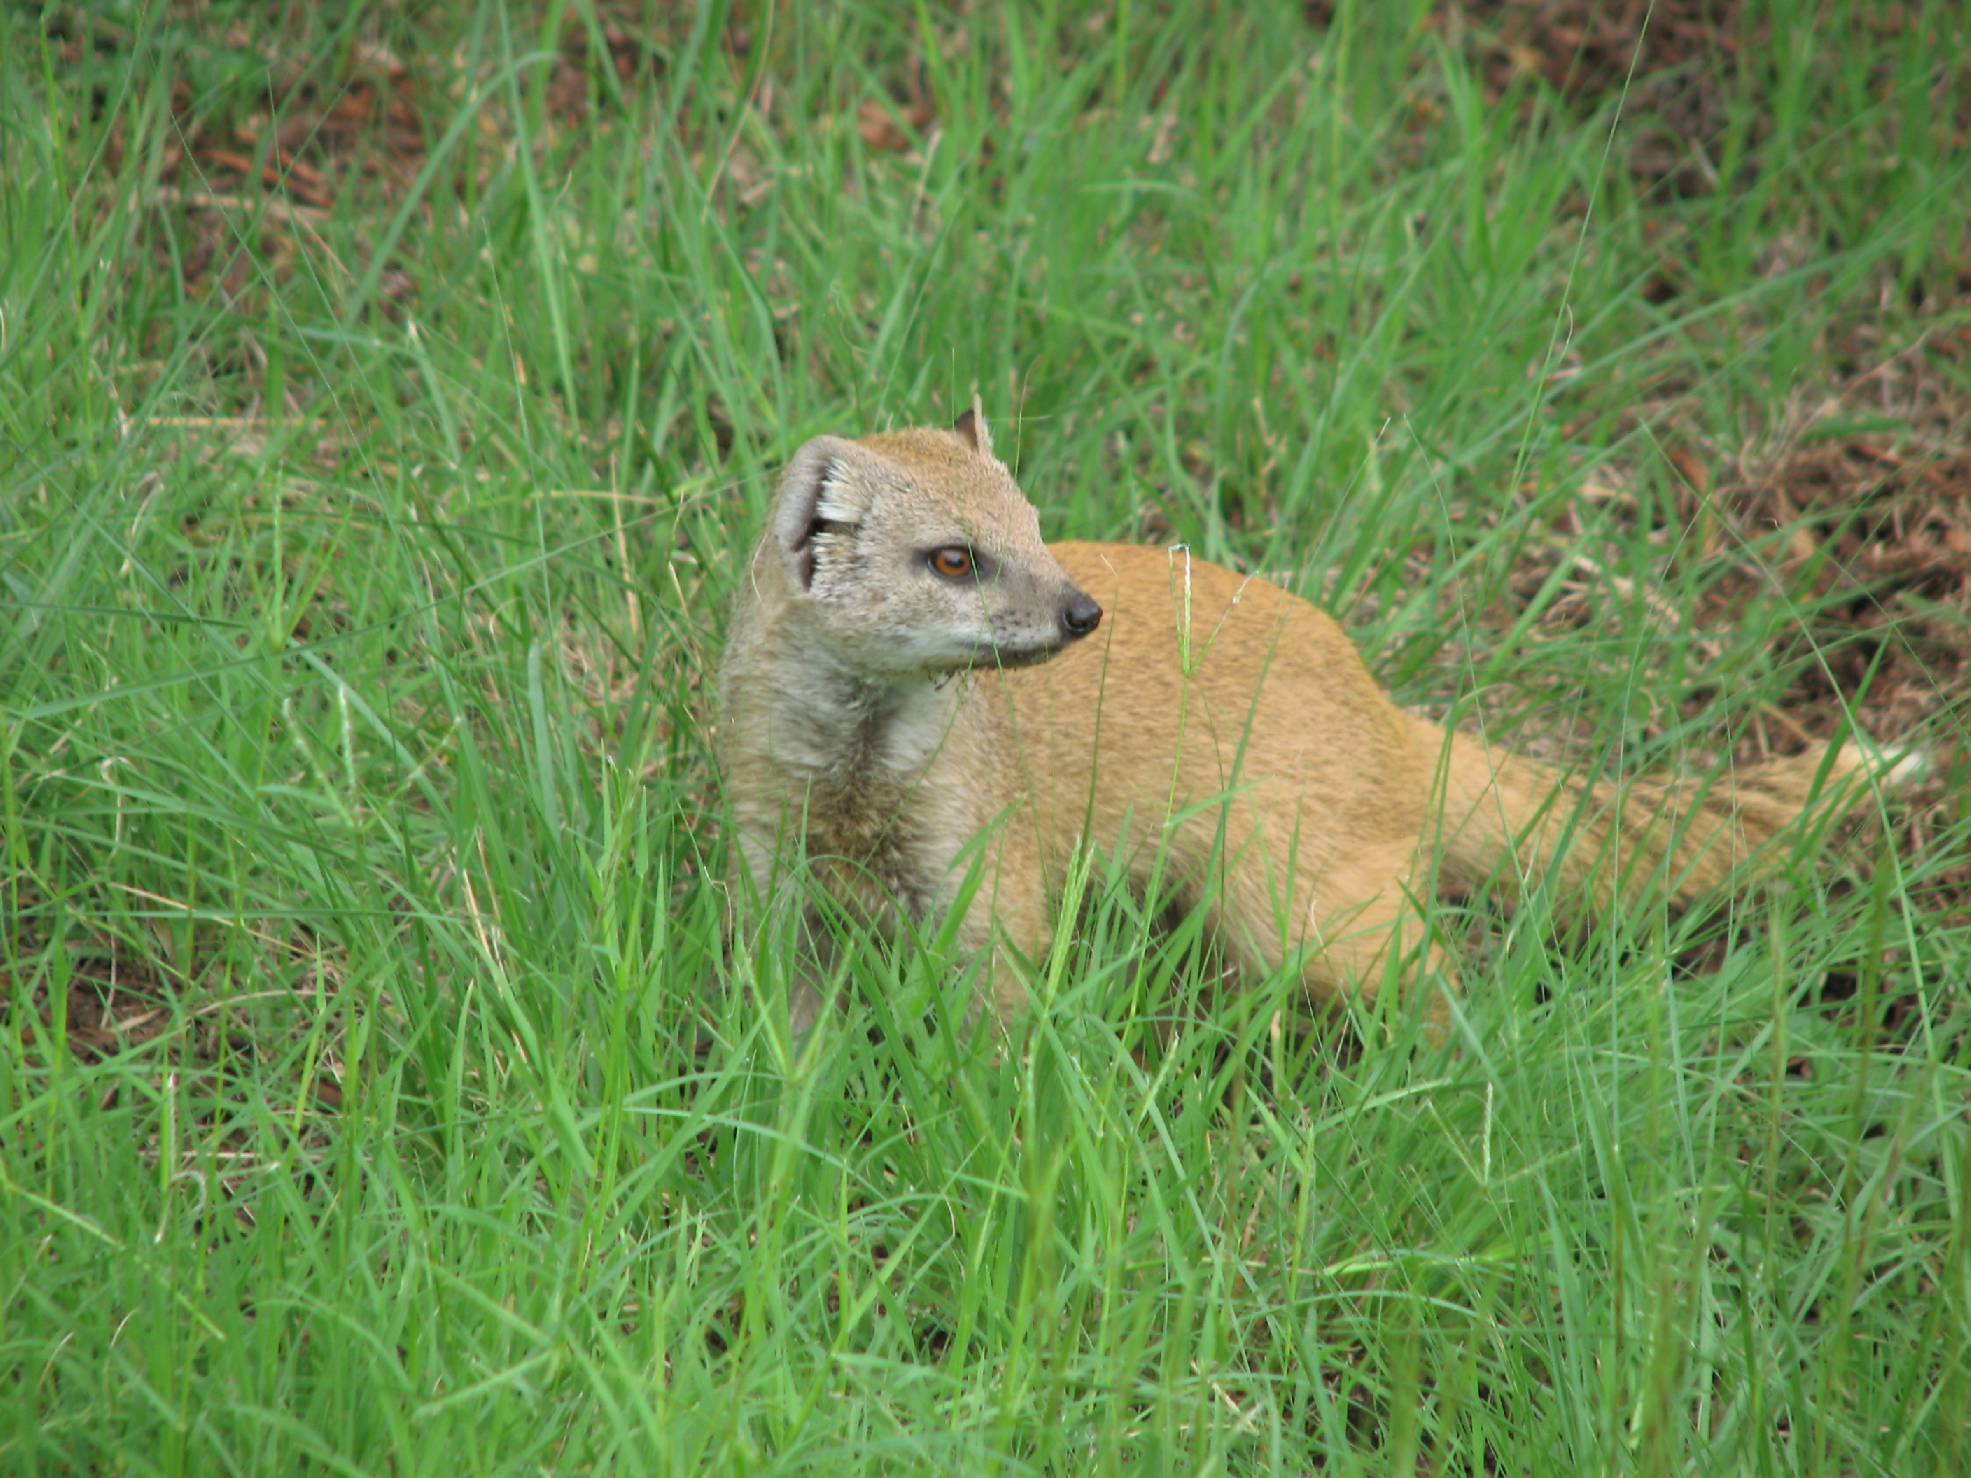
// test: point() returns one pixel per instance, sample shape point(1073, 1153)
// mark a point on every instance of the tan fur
point(1221, 734)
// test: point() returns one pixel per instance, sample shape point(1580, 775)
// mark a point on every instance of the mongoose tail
point(1518, 817)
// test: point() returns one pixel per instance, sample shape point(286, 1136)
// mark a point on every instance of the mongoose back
point(915, 686)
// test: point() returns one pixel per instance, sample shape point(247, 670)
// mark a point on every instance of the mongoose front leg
point(1007, 924)
point(771, 914)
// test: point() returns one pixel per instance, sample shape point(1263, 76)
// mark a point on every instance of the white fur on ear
point(810, 500)
point(972, 426)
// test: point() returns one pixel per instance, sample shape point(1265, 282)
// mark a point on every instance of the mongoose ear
point(972, 426)
point(815, 501)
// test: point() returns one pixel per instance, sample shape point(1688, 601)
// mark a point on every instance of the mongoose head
point(916, 553)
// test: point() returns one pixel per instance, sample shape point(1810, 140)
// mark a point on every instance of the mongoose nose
point(1080, 615)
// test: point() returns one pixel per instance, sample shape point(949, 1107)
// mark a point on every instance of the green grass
point(363, 565)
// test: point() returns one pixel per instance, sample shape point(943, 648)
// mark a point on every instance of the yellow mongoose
point(915, 685)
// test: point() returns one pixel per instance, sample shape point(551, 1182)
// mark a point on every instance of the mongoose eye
point(954, 561)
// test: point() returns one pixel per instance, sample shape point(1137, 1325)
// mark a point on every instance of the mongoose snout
point(1079, 615)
